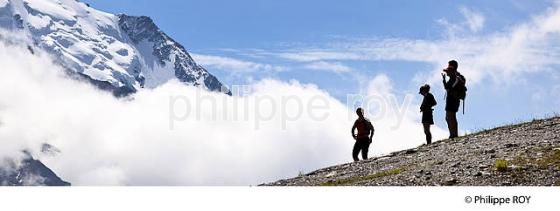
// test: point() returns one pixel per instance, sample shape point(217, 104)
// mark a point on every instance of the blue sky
point(208, 24)
point(506, 48)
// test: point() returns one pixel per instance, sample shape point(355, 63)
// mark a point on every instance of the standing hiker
point(427, 111)
point(456, 91)
point(364, 136)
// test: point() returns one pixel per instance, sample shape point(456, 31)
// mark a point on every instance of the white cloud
point(310, 55)
point(474, 20)
point(473, 23)
point(109, 141)
point(335, 67)
point(234, 65)
point(503, 56)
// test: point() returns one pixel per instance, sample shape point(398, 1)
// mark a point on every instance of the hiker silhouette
point(455, 92)
point(364, 136)
point(427, 111)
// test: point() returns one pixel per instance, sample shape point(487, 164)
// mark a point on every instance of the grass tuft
point(501, 165)
point(356, 179)
point(549, 159)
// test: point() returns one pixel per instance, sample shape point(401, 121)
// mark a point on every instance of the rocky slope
point(28, 172)
point(527, 154)
point(119, 53)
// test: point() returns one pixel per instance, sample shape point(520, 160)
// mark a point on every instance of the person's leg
point(356, 151)
point(448, 117)
point(365, 149)
point(428, 133)
point(452, 124)
point(455, 126)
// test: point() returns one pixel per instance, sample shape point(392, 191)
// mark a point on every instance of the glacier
point(119, 53)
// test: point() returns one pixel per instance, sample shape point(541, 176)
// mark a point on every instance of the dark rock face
point(104, 85)
point(29, 172)
point(142, 28)
point(531, 151)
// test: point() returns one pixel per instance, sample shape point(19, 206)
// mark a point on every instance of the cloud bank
point(107, 141)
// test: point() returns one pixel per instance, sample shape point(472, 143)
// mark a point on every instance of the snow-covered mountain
point(120, 53)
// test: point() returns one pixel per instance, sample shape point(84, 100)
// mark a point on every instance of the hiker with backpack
point(427, 111)
point(456, 91)
point(364, 136)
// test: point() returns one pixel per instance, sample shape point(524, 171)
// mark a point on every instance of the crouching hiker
point(427, 111)
point(364, 136)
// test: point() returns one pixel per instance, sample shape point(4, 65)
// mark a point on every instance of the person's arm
point(353, 130)
point(423, 105)
point(448, 85)
point(434, 102)
point(372, 131)
point(444, 80)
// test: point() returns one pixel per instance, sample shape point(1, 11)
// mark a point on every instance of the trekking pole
point(464, 106)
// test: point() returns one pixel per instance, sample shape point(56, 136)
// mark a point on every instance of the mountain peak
point(120, 53)
point(140, 28)
point(28, 172)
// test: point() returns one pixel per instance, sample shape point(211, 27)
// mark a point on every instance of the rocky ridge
point(526, 154)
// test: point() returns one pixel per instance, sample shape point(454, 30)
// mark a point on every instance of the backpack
point(461, 90)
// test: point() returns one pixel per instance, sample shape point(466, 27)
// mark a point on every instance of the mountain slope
point(120, 53)
point(531, 151)
point(28, 172)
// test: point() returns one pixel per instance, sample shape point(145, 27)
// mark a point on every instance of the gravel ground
point(527, 154)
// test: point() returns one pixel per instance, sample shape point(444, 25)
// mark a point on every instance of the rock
point(510, 145)
point(384, 158)
point(450, 181)
point(456, 165)
point(331, 174)
point(539, 154)
point(411, 151)
point(489, 151)
point(478, 174)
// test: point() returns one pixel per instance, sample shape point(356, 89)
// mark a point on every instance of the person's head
point(452, 67)
point(424, 89)
point(360, 112)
